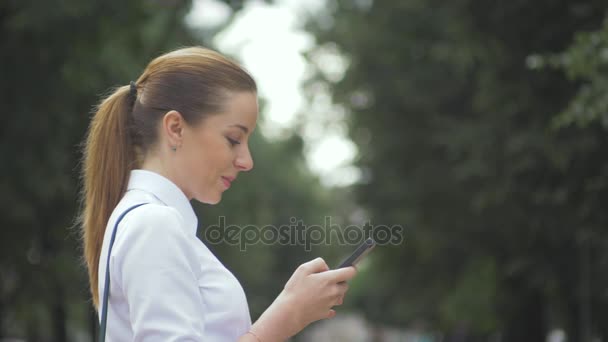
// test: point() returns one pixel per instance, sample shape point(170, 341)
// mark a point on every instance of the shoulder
point(152, 216)
point(153, 225)
point(151, 243)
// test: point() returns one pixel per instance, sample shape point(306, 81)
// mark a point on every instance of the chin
point(210, 199)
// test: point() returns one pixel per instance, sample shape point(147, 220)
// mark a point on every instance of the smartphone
point(359, 253)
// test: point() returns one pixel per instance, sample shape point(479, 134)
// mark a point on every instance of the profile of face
point(210, 155)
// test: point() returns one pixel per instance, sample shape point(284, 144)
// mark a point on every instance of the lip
point(227, 181)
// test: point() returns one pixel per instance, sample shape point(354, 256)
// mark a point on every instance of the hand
point(313, 290)
point(308, 296)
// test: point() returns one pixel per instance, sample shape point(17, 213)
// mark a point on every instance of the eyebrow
point(245, 129)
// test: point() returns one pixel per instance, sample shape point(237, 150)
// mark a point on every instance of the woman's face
point(214, 152)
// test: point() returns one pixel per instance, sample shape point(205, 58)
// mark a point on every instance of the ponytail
point(108, 158)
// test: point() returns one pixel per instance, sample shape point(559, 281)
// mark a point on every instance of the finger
point(315, 266)
point(342, 287)
point(341, 274)
point(340, 293)
point(338, 300)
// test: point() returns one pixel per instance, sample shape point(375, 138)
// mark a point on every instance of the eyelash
point(233, 142)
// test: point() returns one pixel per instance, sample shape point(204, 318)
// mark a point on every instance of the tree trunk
point(59, 316)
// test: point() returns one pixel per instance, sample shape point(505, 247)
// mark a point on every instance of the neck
point(156, 164)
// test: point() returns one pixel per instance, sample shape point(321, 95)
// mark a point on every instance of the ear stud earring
point(173, 148)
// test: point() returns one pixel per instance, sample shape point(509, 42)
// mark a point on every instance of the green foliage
point(475, 291)
point(461, 140)
point(455, 136)
point(57, 57)
point(585, 61)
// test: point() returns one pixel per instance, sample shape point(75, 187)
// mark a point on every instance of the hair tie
point(133, 91)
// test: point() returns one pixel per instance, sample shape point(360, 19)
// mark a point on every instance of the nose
point(244, 161)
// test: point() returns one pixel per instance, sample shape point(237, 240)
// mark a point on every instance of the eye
point(233, 142)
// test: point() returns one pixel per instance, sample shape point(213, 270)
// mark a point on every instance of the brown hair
point(194, 81)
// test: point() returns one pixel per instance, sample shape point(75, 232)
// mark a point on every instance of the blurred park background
point(479, 126)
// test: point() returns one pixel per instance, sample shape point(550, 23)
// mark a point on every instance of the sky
point(270, 42)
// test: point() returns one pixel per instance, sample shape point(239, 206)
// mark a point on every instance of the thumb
point(341, 274)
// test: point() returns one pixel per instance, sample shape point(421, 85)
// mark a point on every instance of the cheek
point(192, 163)
point(211, 161)
point(207, 159)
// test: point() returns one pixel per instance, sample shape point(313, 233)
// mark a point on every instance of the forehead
point(238, 109)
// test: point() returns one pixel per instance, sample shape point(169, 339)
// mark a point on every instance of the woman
point(181, 132)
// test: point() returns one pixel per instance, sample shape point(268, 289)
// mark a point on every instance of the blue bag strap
point(106, 288)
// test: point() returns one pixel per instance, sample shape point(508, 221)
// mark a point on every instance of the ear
point(173, 127)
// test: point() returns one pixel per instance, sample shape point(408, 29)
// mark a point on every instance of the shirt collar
point(167, 192)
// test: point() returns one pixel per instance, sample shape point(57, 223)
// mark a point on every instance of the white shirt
point(166, 285)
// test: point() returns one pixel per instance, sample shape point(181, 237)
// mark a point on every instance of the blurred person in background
point(180, 132)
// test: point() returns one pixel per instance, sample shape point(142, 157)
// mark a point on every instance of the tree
point(455, 141)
